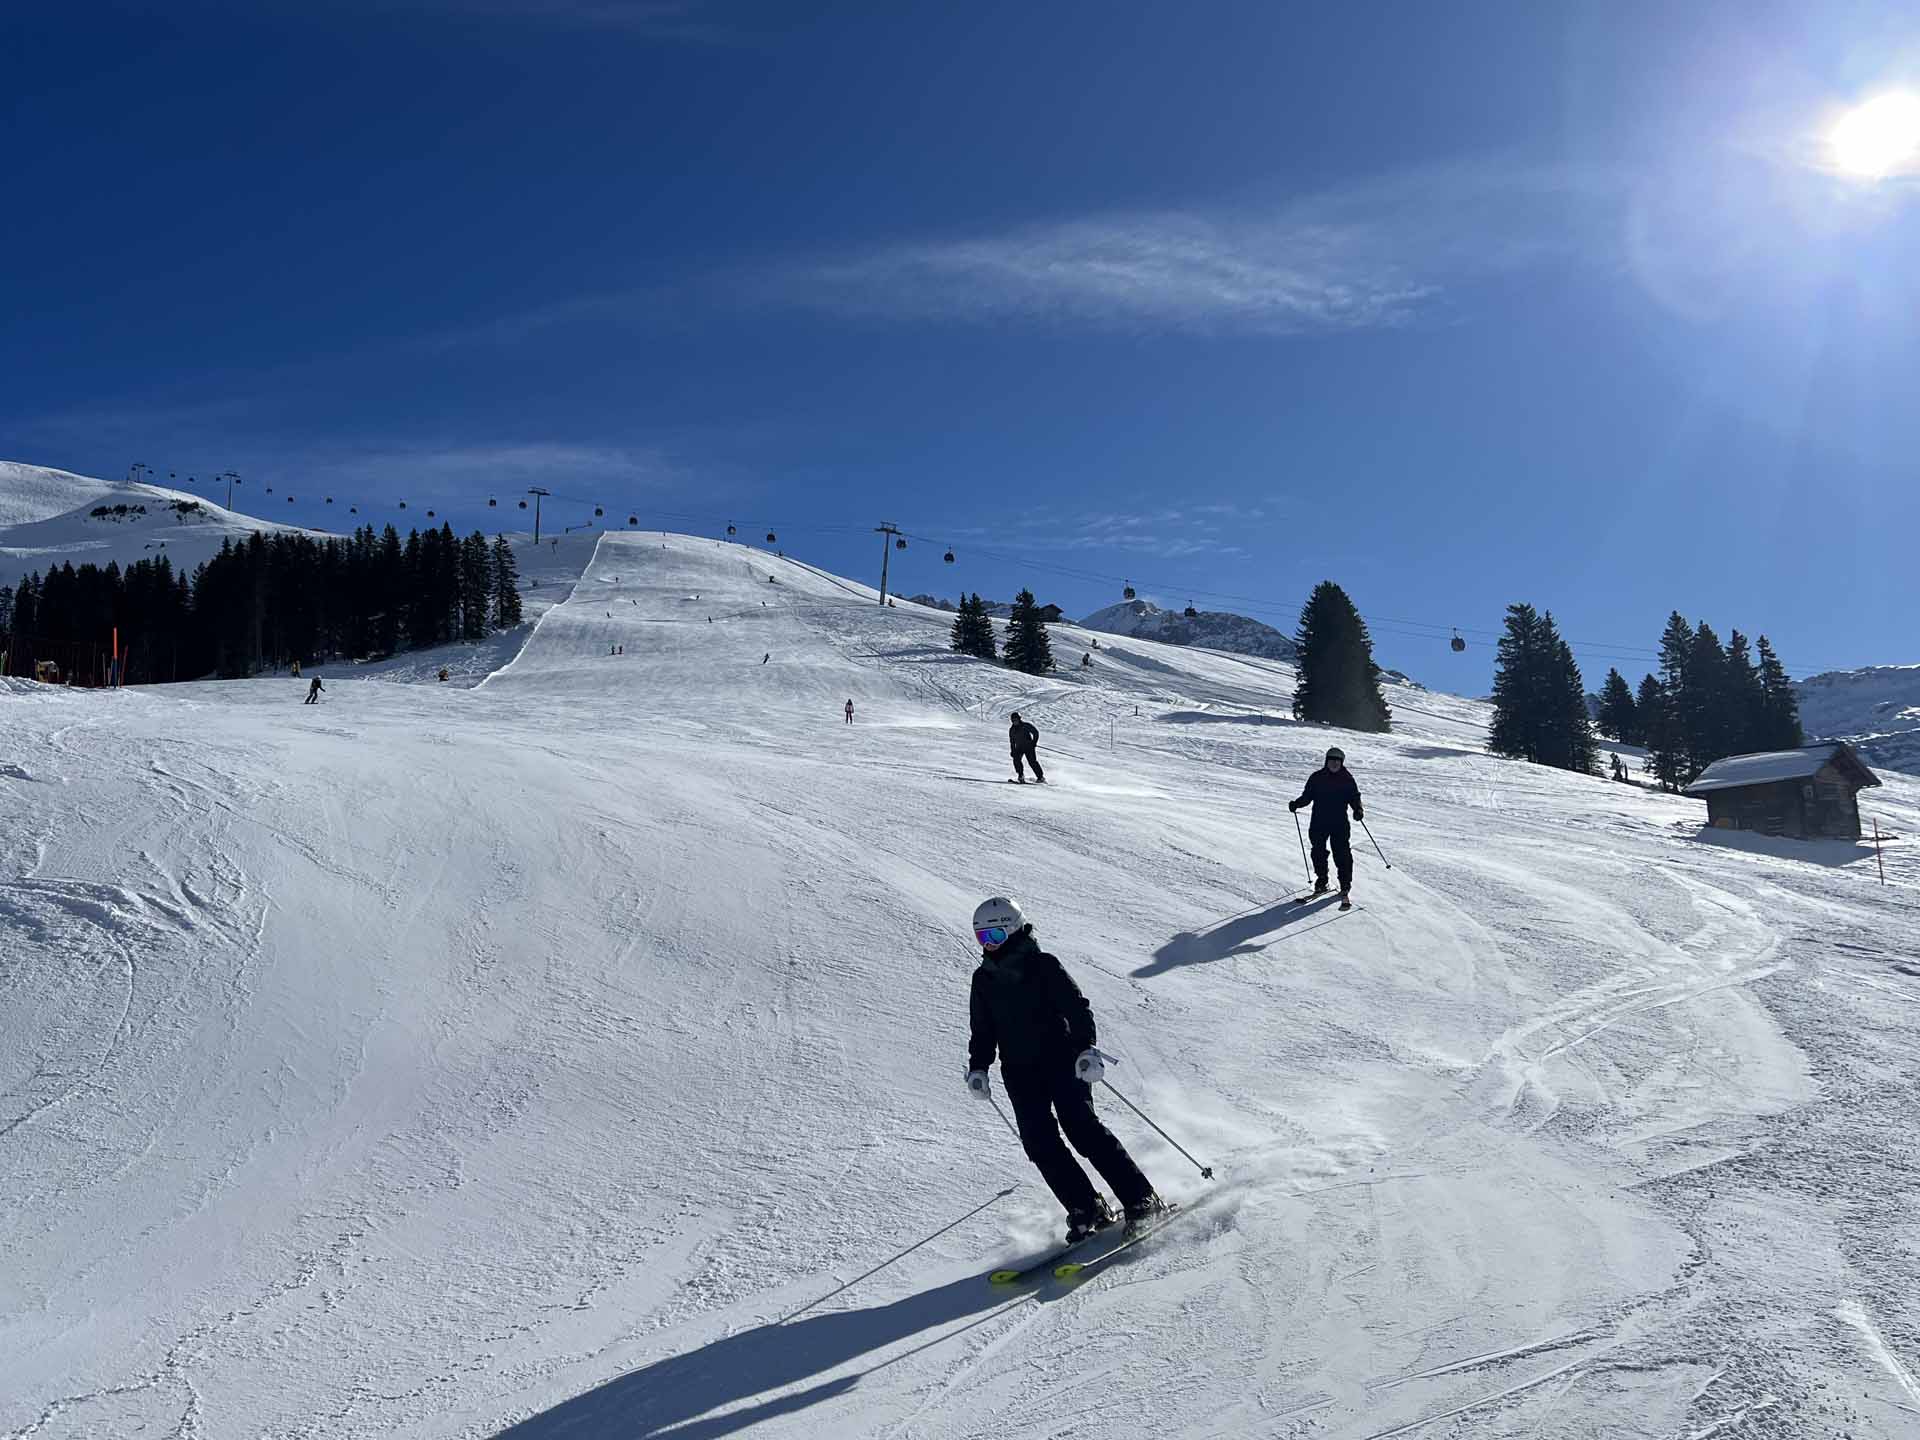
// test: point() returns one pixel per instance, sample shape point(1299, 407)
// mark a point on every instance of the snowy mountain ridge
point(1875, 709)
point(1209, 629)
point(49, 518)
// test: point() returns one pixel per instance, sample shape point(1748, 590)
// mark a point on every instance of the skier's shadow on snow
point(672, 1394)
point(1236, 935)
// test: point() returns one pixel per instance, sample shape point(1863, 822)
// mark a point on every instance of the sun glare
point(1879, 137)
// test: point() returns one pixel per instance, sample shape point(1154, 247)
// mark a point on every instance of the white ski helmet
point(999, 914)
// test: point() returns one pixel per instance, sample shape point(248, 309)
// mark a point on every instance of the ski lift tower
point(888, 533)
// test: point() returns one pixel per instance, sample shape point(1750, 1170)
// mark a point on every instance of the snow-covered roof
point(1771, 765)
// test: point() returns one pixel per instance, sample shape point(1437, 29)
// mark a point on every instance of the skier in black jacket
point(1026, 1008)
point(1022, 737)
point(1330, 790)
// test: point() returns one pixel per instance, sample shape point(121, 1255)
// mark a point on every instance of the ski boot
point(1143, 1213)
point(1320, 887)
point(1346, 899)
point(1082, 1223)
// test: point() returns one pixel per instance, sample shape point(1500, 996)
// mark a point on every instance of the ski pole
point(1302, 836)
point(1376, 846)
point(1206, 1171)
point(1003, 1119)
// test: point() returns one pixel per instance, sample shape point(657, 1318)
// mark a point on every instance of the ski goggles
point(992, 936)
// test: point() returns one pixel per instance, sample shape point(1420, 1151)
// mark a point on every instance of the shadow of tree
point(1234, 936)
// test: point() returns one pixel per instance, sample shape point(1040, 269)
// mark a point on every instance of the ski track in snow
point(567, 1055)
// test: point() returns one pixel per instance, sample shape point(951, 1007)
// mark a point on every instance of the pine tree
point(1746, 697)
point(1028, 648)
point(1780, 729)
point(1338, 683)
point(388, 587)
point(973, 630)
point(476, 587)
point(1617, 720)
point(1676, 655)
point(1569, 740)
point(506, 585)
point(1709, 720)
point(1519, 700)
point(1539, 699)
point(1660, 733)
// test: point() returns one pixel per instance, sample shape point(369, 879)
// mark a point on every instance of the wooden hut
point(1806, 793)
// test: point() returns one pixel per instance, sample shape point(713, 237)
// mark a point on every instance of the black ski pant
point(1337, 834)
point(1026, 753)
point(1038, 1097)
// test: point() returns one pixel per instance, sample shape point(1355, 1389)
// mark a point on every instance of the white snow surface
point(1875, 709)
point(580, 1054)
point(47, 520)
point(1762, 768)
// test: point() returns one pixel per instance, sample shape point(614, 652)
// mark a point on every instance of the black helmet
point(1016, 714)
point(1336, 753)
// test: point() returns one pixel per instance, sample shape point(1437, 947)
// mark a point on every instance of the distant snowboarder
point(1618, 765)
point(849, 712)
point(313, 692)
point(1025, 1008)
point(1022, 737)
point(1330, 790)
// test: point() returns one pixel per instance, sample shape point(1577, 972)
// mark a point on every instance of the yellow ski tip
point(1004, 1277)
point(1068, 1271)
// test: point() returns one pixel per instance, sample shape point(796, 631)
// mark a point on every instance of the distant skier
point(849, 712)
point(313, 692)
point(766, 657)
point(1022, 737)
point(1330, 790)
point(1619, 766)
point(1025, 1008)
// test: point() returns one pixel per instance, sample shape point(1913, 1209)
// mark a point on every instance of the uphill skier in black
point(1026, 1009)
point(1331, 790)
point(1022, 737)
point(313, 692)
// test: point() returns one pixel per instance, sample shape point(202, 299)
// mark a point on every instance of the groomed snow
point(580, 1054)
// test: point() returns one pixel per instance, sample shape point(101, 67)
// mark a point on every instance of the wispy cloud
point(1368, 256)
point(1170, 531)
point(462, 469)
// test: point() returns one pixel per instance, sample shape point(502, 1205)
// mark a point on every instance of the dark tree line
point(1708, 701)
point(267, 601)
point(1539, 701)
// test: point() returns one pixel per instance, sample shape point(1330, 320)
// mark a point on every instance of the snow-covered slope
point(48, 518)
point(35, 492)
point(581, 1054)
point(1210, 629)
point(1875, 709)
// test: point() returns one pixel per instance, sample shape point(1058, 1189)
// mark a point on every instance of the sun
point(1879, 137)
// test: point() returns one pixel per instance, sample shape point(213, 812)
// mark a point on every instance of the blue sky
point(1456, 305)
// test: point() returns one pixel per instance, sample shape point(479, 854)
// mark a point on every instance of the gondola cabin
point(1808, 794)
